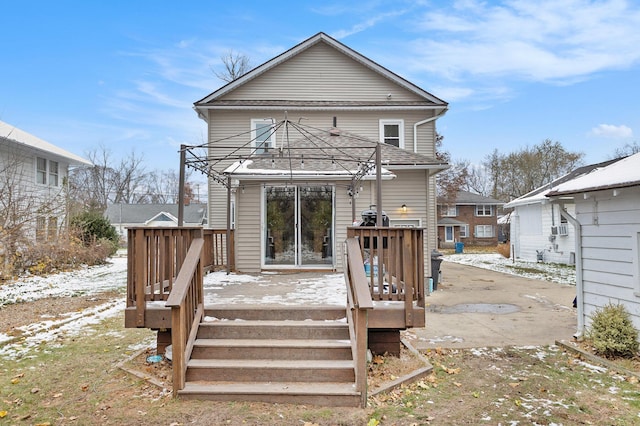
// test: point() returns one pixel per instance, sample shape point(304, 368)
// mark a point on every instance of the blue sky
point(125, 74)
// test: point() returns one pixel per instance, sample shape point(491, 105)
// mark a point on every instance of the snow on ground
point(320, 289)
point(88, 280)
point(325, 289)
point(561, 274)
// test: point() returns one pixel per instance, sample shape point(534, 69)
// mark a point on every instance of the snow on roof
point(243, 169)
point(623, 173)
point(16, 135)
point(539, 195)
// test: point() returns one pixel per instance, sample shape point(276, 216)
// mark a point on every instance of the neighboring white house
point(122, 216)
point(33, 173)
point(607, 221)
point(294, 137)
point(538, 231)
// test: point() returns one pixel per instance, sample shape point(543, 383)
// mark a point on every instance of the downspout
point(425, 121)
point(415, 149)
point(579, 284)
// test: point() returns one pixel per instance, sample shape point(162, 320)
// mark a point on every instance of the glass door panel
point(316, 225)
point(280, 241)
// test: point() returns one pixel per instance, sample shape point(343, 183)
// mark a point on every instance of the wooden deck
point(165, 293)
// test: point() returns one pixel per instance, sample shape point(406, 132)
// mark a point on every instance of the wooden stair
point(298, 355)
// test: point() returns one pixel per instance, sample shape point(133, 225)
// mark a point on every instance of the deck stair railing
point(358, 305)
point(187, 309)
point(393, 259)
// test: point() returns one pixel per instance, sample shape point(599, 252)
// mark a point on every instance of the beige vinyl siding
point(409, 187)
point(426, 141)
point(232, 128)
point(321, 73)
point(248, 233)
point(342, 221)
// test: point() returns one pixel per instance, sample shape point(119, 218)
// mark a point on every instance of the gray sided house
point(294, 138)
point(33, 197)
point(607, 232)
point(122, 216)
point(471, 219)
point(539, 232)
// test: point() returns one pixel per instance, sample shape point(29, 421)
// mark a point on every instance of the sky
point(124, 75)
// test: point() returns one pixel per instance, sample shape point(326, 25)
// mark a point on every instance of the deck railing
point(358, 305)
point(394, 261)
point(187, 308)
point(215, 250)
point(156, 254)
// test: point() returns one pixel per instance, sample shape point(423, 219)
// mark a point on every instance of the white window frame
point(41, 172)
point(392, 122)
point(447, 209)
point(481, 210)
point(49, 175)
point(255, 122)
point(464, 231)
point(479, 234)
point(54, 172)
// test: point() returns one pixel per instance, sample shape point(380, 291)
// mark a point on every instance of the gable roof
point(620, 173)
point(539, 195)
point(20, 137)
point(143, 213)
point(163, 217)
point(333, 154)
point(470, 198)
point(429, 100)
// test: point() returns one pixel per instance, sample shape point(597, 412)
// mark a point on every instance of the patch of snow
point(48, 331)
point(560, 274)
point(87, 280)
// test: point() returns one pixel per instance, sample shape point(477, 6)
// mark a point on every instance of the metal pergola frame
point(342, 157)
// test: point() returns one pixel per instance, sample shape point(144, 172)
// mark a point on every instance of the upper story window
point(450, 211)
point(53, 173)
point(263, 135)
point(47, 172)
point(392, 132)
point(484, 210)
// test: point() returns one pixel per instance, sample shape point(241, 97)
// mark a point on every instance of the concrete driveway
point(474, 307)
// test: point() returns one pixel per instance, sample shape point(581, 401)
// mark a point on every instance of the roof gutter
point(420, 123)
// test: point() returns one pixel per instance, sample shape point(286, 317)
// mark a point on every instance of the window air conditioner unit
point(563, 229)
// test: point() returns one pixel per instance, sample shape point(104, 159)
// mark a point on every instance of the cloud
point(548, 41)
point(611, 131)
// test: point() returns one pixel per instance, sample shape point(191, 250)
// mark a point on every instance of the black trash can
point(436, 260)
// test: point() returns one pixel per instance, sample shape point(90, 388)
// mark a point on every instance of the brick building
point(470, 219)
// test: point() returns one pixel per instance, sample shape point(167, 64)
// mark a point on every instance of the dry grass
point(504, 250)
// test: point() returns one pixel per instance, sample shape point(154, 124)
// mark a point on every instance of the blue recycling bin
point(459, 247)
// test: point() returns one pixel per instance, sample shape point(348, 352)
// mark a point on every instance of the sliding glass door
point(299, 225)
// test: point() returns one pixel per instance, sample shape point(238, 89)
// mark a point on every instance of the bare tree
point(479, 181)
point(626, 150)
point(105, 182)
point(450, 181)
point(235, 65)
point(520, 172)
point(162, 186)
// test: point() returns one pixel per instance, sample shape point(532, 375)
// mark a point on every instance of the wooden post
point(228, 223)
